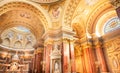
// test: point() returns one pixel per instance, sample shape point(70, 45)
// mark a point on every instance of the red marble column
point(72, 57)
point(66, 57)
point(89, 59)
point(39, 60)
point(44, 60)
point(35, 64)
point(83, 63)
point(82, 60)
point(101, 58)
point(47, 62)
point(31, 65)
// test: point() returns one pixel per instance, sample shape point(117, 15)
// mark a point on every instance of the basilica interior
point(59, 36)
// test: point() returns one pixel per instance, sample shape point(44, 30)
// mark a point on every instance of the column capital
point(98, 42)
point(50, 41)
point(35, 51)
point(85, 46)
point(115, 3)
point(68, 39)
point(39, 50)
point(98, 45)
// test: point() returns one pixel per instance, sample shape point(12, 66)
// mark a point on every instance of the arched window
point(112, 24)
point(6, 42)
point(17, 44)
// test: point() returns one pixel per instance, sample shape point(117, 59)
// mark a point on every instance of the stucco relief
point(113, 52)
point(55, 13)
point(70, 11)
point(16, 39)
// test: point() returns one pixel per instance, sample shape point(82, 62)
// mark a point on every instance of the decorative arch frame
point(7, 5)
point(95, 17)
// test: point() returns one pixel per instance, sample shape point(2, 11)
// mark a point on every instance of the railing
point(18, 49)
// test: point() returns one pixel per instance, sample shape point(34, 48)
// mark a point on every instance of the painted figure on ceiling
point(56, 11)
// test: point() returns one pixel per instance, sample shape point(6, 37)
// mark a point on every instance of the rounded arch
point(102, 20)
point(40, 13)
point(12, 4)
point(23, 24)
point(6, 41)
point(17, 45)
point(96, 14)
point(28, 45)
point(79, 29)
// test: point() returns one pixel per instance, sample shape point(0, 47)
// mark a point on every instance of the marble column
point(66, 56)
point(72, 56)
point(89, 58)
point(44, 60)
point(48, 48)
point(31, 65)
point(39, 59)
point(35, 63)
point(82, 58)
point(101, 57)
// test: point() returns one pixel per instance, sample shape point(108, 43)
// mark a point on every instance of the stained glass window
point(112, 24)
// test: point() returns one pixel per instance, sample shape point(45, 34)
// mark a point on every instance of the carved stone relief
point(113, 52)
point(56, 60)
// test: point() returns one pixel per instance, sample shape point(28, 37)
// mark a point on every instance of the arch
point(78, 25)
point(42, 14)
point(28, 45)
point(69, 11)
point(79, 29)
point(100, 24)
point(94, 16)
point(6, 42)
point(17, 45)
point(111, 25)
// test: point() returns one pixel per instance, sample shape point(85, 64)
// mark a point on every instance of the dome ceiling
point(18, 38)
point(21, 18)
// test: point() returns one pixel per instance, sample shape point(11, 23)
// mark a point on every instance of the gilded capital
point(39, 50)
point(66, 40)
point(86, 46)
point(115, 3)
point(48, 42)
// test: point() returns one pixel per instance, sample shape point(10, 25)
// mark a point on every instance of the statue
point(14, 66)
point(56, 68)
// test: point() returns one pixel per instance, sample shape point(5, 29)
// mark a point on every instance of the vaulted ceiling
point(51, 16)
